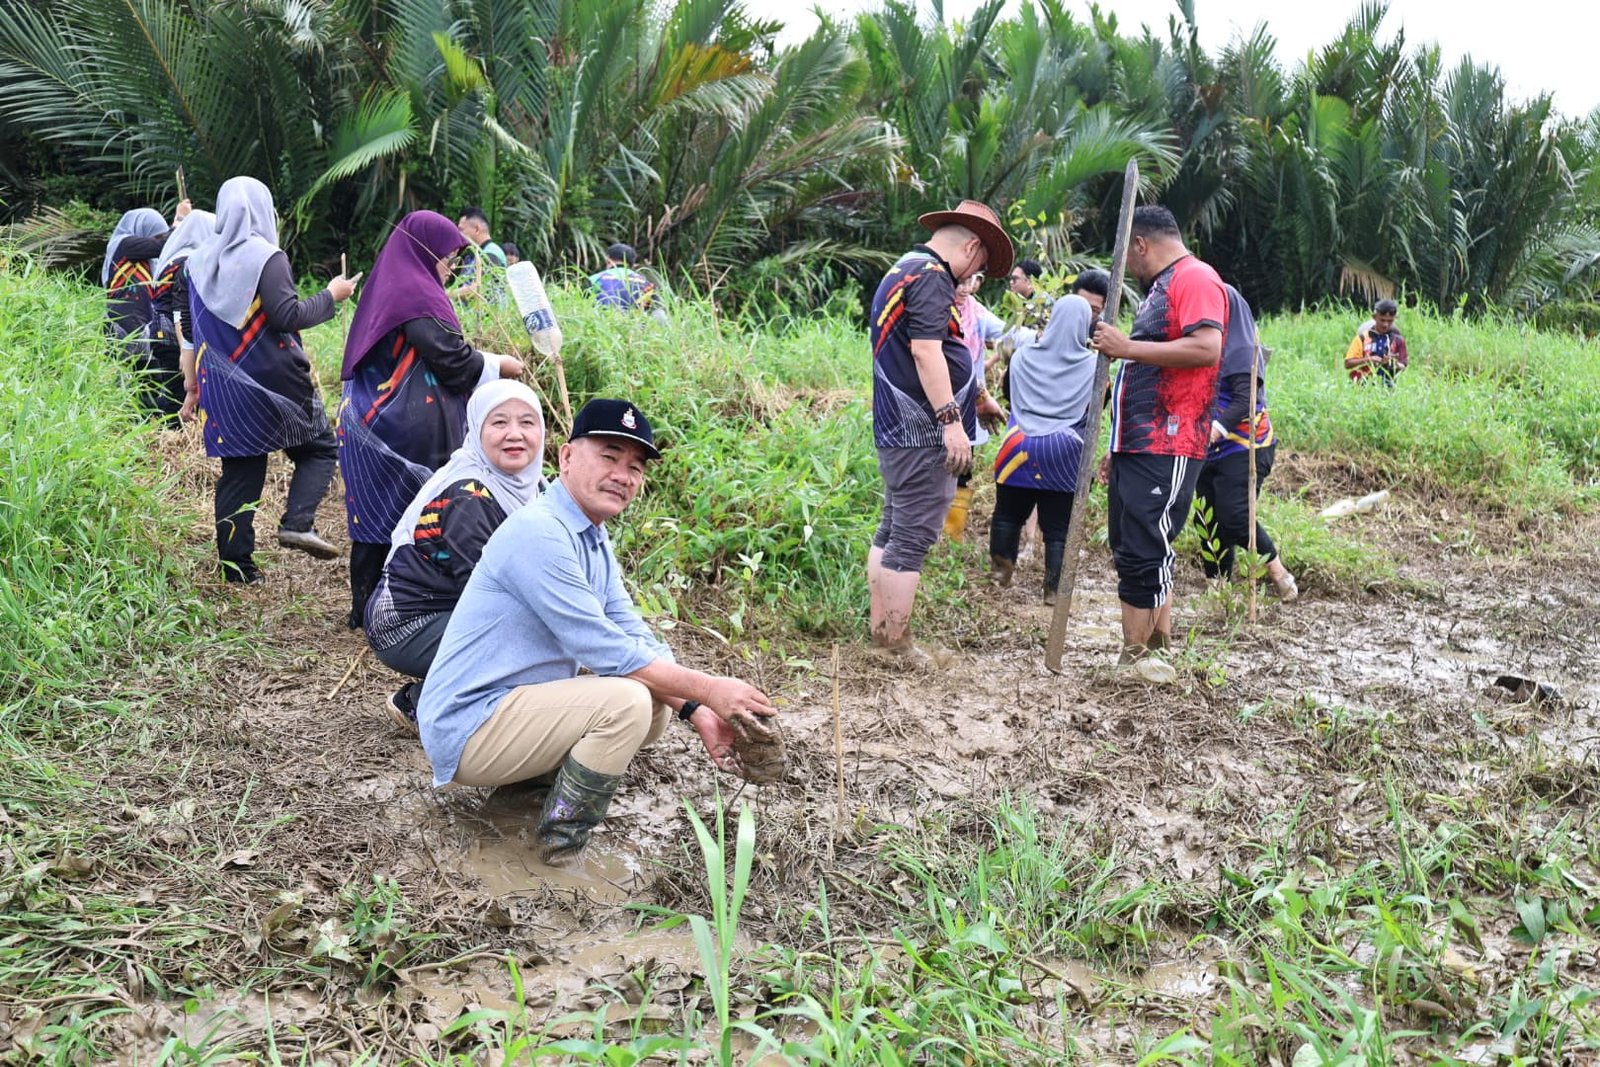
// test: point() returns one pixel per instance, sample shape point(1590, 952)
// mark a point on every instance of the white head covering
point(140, 222)
point(226, 270)
point(195, 230)
point(510, 491)
point(1051, 377)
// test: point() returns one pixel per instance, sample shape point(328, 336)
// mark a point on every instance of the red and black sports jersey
point(1166, 411)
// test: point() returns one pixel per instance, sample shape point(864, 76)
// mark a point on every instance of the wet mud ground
point(295, 787)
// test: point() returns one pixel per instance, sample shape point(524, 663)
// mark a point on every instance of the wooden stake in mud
point(1250, 484)
point(838, 742)
point(1090, 465)
point(348, 672)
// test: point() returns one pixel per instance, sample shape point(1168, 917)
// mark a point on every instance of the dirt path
point(298, 789)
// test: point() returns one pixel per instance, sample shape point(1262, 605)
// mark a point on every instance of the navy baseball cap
point(615, 418)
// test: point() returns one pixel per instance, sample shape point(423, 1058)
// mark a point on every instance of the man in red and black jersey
point(1160, 419)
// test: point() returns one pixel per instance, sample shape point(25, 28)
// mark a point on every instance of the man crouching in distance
point(504, 701)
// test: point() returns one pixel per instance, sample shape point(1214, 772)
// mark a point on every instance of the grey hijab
point(226, 270)
point(140, 222)
point(195, 230)
point(510, 491)
point(1052, 376)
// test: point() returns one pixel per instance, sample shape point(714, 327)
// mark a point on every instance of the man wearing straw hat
point(924, 406)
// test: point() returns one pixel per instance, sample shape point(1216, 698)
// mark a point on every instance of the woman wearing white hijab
point(257, 392)
point(1037, 465)
point(441, 535)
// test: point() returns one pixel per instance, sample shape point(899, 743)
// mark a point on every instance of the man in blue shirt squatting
point(924, 406)
point(504, 701)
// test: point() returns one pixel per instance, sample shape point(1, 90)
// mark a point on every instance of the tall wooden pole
point(1250, 489)
point(1090, 465)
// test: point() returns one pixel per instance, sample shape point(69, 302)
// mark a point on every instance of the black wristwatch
point(947, 414)
point(688, 709)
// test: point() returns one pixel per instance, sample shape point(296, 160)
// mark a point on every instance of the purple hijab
point(403, 284)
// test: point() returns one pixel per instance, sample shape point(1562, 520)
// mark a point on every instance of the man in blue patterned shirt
point(924, 406)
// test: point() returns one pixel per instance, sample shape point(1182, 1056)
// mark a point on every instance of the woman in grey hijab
point(168, 382)
point(1037, 465)
point(257, 391)
point(125, 272)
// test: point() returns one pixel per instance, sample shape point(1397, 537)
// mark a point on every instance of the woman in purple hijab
point(408, 372)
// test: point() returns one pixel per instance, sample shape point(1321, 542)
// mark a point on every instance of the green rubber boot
point(576, 804)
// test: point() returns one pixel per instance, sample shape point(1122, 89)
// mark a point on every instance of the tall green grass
point(1488, 408)
point(92, 579)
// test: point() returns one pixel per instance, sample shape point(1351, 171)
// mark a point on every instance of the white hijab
point(510, 491)
point(195, 230)
point(1051, 377)
point(226, 270)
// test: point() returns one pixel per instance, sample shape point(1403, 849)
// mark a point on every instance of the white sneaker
point(308, 542)
point(1152, 669)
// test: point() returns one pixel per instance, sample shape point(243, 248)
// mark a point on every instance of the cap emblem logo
point(628, 421)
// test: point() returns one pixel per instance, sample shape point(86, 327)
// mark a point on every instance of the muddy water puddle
point(490, 839)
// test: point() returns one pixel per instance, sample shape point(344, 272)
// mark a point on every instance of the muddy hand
point(760, 752)
point(957, 450)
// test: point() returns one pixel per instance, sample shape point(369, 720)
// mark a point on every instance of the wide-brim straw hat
point(982, 221)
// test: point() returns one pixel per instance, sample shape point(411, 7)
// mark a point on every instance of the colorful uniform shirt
point(169, 294)
point(257, 393)
point(1166, 411)
point(623, 288)
point(1047, 461)
point(1241, 351)
point(128, 289)
point(426, 577)
point(1383, 354)
point(403, 412)
point(484, 265)
point(916, 301)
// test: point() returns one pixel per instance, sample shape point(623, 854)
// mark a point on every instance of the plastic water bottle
point(538, 318)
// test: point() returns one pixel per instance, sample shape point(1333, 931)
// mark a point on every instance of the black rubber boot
point(1054, 553)
point(576, 804)
point(1004, 540)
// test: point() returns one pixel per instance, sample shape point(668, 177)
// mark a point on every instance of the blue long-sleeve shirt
point(545, 599)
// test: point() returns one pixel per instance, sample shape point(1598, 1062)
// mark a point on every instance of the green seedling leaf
point(1533, 927)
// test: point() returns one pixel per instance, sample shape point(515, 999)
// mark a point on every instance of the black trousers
point(415, 654)
point(366, 567)
point(1012, 506)
point(239, 494)
point(1147, 504)
point(161, 383)
point(1224, 522)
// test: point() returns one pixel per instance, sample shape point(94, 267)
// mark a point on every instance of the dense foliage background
point(772, 176)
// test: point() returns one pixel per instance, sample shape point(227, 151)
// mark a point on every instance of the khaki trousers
point(600, 722)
